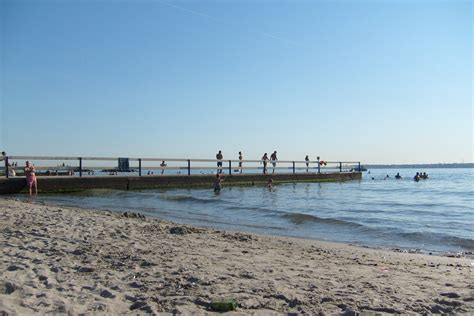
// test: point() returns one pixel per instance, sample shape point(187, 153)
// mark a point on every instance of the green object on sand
point(224, 305)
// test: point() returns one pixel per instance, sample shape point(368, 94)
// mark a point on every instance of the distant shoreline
point(434, 165)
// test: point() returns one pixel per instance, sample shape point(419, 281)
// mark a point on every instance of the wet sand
point(70, 260)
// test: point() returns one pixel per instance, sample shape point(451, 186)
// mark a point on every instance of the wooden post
point(6, 167)
point(340, 166)
point(189, 167)
point(139, 167)
point(230, 167)
point(319, 166)
point(80, 166)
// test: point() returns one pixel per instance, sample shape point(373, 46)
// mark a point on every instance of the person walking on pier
point(240, 161)
point(31, 177)
point(274, 159)
point(307, 162)
point(265, 161)
point(219, 158)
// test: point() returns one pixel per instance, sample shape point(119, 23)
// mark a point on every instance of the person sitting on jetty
point(398, 176)
point(163, 166)
point(417, 177)
point(219, 158)
point(265, 161)
point(274, 159)
point(218, 183)
point(31, 177)
point(11, 170)
point(307, 162)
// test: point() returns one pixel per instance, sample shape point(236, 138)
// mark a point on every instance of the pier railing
point(101, 166)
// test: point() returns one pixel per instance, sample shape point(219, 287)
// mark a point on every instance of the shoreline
point(69, 259)
point(398, 249)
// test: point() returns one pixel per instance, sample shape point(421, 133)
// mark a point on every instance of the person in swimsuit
point(163, 166)
point(219, 158)
point(398, 176)
point(274, 158)
point(31, 177)
point(218, 183)
point(307, 162)
point(265, 161)
point(269, 184)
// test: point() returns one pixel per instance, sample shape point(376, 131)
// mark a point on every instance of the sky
point(370, 81)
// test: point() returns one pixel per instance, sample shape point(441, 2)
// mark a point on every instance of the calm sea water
point(433, 215)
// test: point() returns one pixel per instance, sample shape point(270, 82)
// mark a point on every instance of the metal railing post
point(189, 167)
point(139, 167)
point(6, 167)
point(230, 167)
point(80, 166)
point(294, 170)
point(340, 166)
point(319, 166)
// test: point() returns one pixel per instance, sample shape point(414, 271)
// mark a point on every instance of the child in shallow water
point(31, 177)
point(217, 183)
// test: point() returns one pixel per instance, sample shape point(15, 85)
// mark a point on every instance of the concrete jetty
point(65, 184)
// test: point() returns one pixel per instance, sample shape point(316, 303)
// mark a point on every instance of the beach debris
point(78, 252)
point(107, 294)
point(97, 307)
point(182, 230)
point(9, 288)
point(14, 268)
point(142, 306)
point(224, 305)
point(450, 295)
point(86, 269)
point(201, 301)
point(247, 275)
point(133, 215)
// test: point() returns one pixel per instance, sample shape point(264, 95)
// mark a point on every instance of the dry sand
point(69, 260)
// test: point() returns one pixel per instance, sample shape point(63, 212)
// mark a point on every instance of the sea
point(435, 215)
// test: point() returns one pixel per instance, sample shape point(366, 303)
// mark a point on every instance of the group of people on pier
point(264, 160)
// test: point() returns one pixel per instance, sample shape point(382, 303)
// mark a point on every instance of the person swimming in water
point(417, 177)
point(218, 183)
point(269, 184)
point(398, 176)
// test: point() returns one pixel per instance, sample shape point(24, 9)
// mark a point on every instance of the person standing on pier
point(274, 159)
point(240, 161)
point(163, 166)
point(31, 177)
point(265, 161)
point(307, 162)
point(219, 158)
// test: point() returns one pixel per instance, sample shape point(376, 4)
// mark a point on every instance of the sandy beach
point(69, 260)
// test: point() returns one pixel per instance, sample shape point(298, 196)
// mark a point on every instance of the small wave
point(439, 238)
point(253, 208)
point(299, 218)
point(99, 192)
point(187, 198)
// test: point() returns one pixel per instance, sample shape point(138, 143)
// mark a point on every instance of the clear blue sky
point(375, 81)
